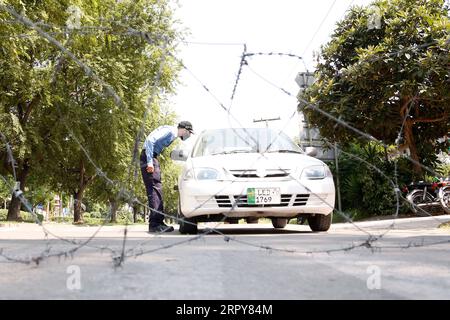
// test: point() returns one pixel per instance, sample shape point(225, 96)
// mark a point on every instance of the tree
point(70, 126)
point(387, 65)
point(5, 191)
point(23, 90)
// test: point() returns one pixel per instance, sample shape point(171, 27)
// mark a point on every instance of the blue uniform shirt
point(157, 140)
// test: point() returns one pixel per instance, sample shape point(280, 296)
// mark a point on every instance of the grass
point(88, 220)
point(354, 215)
point(25, 216)
point(445, 226)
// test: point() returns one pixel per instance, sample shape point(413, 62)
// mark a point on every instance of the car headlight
point(206, 174)
point(202, 174)
point(316, 172)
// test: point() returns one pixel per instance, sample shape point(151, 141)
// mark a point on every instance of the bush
point(25, 216)
point(140, 219)
point(97, 214)
point(62, 219)
point(364, 191)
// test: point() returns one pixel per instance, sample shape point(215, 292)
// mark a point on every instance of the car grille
point(270, 173)
point(300, 200)
point(224, 201)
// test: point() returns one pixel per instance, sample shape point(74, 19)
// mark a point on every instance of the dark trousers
point(153, 186)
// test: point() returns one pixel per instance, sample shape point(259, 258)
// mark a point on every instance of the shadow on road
point(245, 231)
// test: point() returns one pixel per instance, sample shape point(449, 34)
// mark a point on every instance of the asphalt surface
point(411, 261)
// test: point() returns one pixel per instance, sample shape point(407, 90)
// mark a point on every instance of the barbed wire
point(119, 258)
point(395, 184)
point(222, 106)
point(87, 70)
point(319, 27)
point(307, 104)
point(45, 254)
point(10, 156)
point(38, 259)
point(241, 65)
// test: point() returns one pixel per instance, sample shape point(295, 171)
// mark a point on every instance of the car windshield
point(251, 140)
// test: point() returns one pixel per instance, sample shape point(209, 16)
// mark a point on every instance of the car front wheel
point(252, 220)
point(279, 223)
point(320, 222)
point(187, 226)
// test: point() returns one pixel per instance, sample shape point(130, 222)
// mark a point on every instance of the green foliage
point(445, 225)
point(53, 113)
point(25, 216)
point(100, 218)
point(62, 219)
point(5, 191)
point(364, 191)
point(367, 76)
point(171, 171)
point(444, 170)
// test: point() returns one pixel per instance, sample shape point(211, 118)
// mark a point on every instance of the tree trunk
point(15, 204)
point(78, 195)
point(410, 141)
point(77, 213)
point(14, 209)
point(113, 209)
point(135, 213)
point(146, 215)
point(47, 210)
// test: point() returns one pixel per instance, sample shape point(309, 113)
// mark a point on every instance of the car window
point(240, 140)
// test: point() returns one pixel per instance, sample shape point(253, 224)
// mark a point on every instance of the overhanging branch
point(429, 120)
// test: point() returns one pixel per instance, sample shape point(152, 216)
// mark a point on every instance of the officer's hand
point(150, 169)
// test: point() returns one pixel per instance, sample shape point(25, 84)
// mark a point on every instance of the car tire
point(320, 222)
point(232, 221)
point(187, 225)
point(279, 223)
point(252, 220)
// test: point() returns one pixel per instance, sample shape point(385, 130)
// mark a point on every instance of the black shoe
point(160, 228)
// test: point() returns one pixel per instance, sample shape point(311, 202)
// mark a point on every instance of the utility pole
point(266, 120)
point(304, 80)
point(338, 187)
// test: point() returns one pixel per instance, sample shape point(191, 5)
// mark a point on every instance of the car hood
point(242, 161)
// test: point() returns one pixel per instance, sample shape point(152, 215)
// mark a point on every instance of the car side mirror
point(178, 155)
point(311, 151)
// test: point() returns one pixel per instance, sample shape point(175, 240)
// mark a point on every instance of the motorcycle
point(426, 195)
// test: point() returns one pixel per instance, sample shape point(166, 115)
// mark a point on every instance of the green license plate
point(263, 196)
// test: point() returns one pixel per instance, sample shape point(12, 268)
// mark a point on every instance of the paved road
point(211, 268)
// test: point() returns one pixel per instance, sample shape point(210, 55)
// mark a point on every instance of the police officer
point(154, 144)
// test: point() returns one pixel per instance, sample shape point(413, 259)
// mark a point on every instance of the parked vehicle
point(425, 196)
point(252, 173)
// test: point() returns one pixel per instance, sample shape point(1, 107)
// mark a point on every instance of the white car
point(252, 173)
